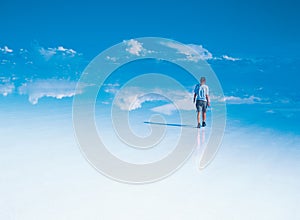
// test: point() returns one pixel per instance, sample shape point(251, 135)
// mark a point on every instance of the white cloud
point(47, 53)
point(241, 100)
point(134, 47)
point(137, 101)
point(69, 51)
point(48, 88)
point(270, 111)
point(132, 98)
point(111, 88)
point(113, 59)
point(167, 109)
point(60, 50)
point(6, 88)
point(181, 101)
point(192, 52)
point(203, 53)
point(5, 49)
point(226, 57)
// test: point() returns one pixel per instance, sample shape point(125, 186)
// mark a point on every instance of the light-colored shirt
point(201, 91)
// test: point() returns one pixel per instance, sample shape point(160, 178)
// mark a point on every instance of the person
point(201, 97)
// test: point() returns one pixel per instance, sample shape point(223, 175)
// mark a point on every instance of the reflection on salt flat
point(201, 145)
point(44, 175)
point(200, 139)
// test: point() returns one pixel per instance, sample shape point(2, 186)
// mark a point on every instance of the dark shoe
point(203, 124)
point(198, 126)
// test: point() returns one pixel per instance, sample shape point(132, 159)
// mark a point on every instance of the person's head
point(202, 80)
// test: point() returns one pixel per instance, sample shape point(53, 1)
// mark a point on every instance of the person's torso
point(201, 92)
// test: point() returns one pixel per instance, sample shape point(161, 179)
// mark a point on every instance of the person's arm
point(208, 101)
point(207, 97)
point(195, 93)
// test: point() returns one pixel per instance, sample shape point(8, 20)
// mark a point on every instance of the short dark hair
point(202, 79)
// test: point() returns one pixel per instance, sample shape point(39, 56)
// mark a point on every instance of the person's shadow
point(168, 124)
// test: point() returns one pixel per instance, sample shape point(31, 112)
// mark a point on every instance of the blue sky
point(243, 28)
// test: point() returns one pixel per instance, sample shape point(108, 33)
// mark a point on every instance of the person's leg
point(198, 112)
point(198, 117)
point(204, 116)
